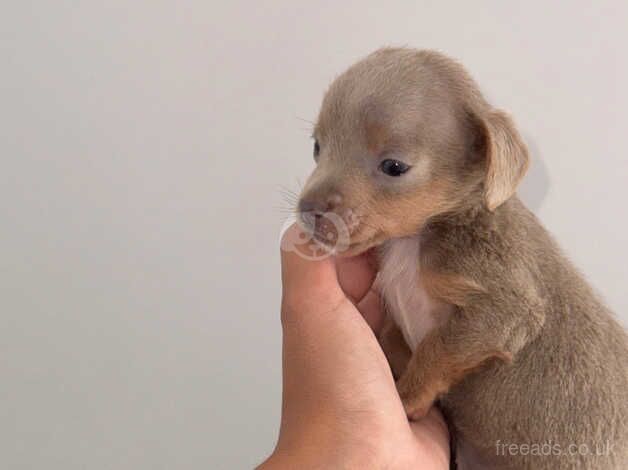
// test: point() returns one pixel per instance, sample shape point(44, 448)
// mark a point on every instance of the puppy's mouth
point(326, 228)
point(340, 235)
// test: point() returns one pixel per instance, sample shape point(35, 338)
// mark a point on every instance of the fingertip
point(306, 268)
point(356, 275)
point(432, 434)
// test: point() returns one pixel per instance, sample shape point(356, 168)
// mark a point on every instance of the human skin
point(340, 404)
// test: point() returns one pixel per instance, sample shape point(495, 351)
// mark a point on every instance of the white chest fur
point(399, 281)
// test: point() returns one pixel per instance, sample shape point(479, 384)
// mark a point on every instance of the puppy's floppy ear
point(506, 157)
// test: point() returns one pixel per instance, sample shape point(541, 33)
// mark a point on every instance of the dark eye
point(393, 167)
point(317, 149)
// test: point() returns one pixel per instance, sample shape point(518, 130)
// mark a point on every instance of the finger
point(371, 309)
point(432, 435)
point(356, 275)
point(305, 275)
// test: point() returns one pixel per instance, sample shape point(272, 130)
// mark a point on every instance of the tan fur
point(527, 353)
point(395, 347)
point(507, 158)
point(452, 288)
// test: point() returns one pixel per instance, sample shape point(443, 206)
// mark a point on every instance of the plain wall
point(143, 146)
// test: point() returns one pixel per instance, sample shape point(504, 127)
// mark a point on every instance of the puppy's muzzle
point(320, 219)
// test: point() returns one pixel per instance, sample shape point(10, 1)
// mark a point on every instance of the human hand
point(340, 405)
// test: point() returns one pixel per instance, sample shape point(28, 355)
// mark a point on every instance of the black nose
point(311, 206)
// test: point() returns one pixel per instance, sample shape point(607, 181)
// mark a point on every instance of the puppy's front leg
point(464, 343)
point(395, 347)
point(434, 368)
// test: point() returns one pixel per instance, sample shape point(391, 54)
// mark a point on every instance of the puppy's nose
point(307, 205)
point(320, 205)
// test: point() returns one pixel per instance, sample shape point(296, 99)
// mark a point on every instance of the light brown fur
point(530, 354)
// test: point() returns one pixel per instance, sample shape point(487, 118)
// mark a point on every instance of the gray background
point(143, 147)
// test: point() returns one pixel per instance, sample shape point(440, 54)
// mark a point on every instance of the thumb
point(308, 277)
point(432, 436)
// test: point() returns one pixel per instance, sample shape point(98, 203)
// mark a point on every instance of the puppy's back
point(562, 403)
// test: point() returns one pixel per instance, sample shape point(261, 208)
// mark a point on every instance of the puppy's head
point(403, 136)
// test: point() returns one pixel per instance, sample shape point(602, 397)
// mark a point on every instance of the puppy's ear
point(506, 157)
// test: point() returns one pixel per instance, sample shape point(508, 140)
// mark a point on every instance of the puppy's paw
point(417, 408)
point(416, 401)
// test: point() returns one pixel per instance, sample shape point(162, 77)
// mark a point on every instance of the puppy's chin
point(359, 247)
point(373, 240)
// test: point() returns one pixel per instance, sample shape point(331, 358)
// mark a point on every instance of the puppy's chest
point(400, 282)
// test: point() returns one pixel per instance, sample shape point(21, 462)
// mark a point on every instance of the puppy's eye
point(393, 167)
point(317, 150)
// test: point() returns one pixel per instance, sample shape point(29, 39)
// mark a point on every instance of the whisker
point(289, 196)
point(290, 201)
point(291, 206)
point(311, 123)
point(286, 210)
point(287, 189)
point(300, 184)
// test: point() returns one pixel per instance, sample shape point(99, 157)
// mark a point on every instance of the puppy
point(486, 315)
